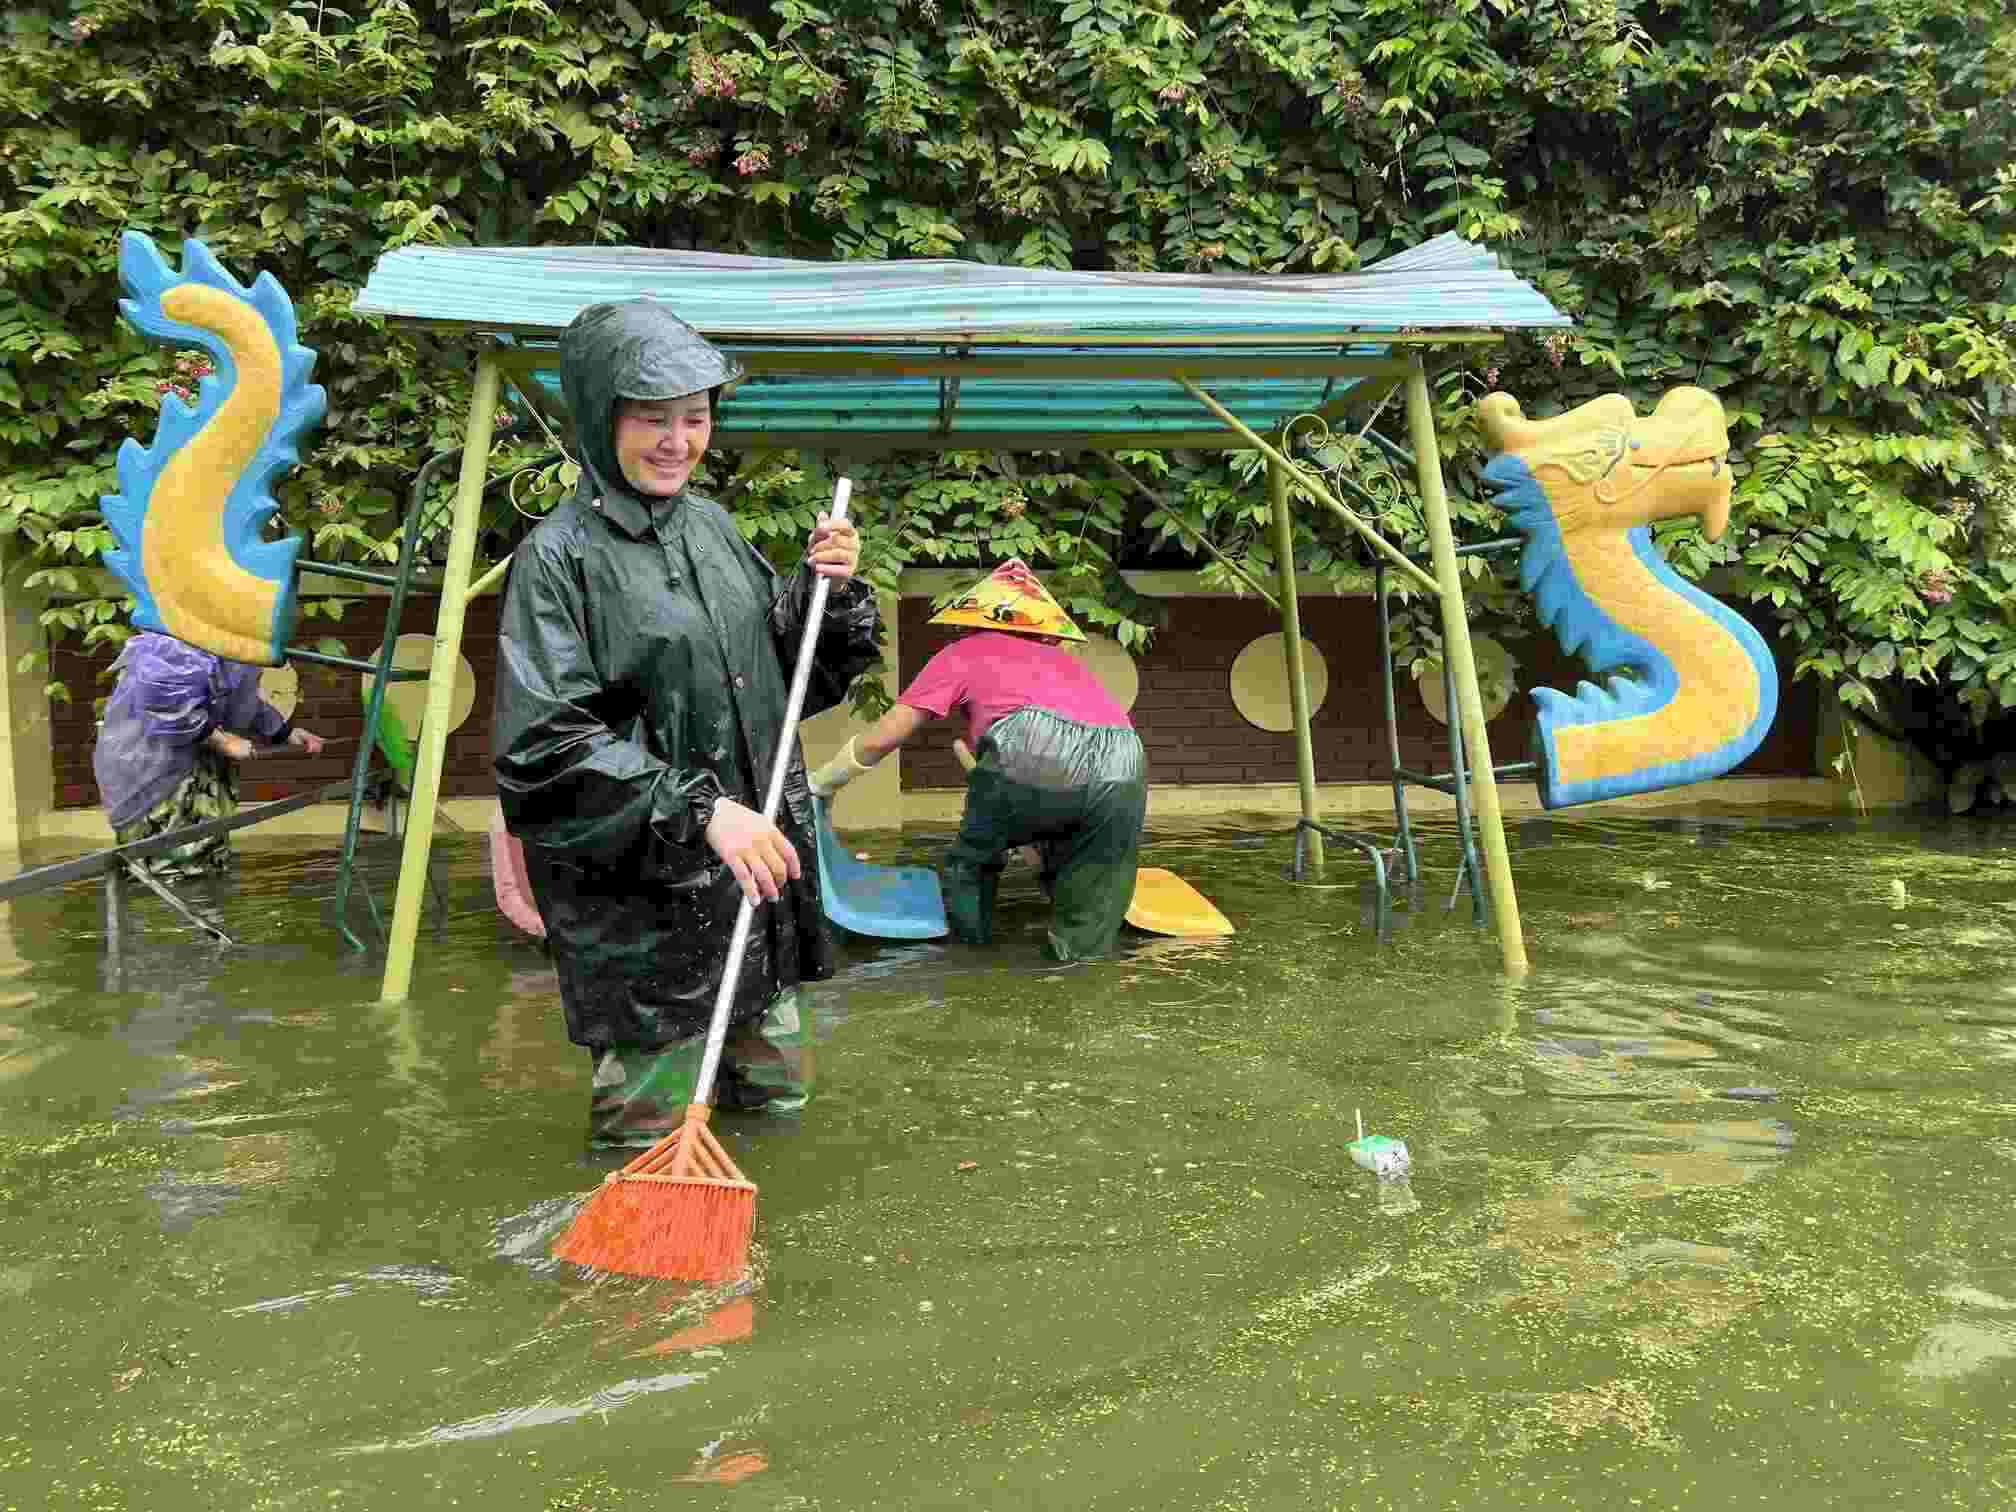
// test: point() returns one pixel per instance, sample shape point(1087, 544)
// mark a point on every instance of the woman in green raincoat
point(643, 671)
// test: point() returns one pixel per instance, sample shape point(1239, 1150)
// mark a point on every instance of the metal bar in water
point(62, 873)
point(140, 874)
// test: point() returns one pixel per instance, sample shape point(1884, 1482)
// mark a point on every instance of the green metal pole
point(1183, 525)
point(1456, 647)
point(1313, 486)
point(374, 712)
point(483, 584)
point(441, 683)
point(1291, 647)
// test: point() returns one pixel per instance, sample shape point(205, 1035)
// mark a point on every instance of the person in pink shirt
point(1057, 766)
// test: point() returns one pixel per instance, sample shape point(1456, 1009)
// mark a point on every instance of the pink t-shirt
point(992, 674)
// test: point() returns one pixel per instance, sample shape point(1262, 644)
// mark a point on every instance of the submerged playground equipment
point(862, 359)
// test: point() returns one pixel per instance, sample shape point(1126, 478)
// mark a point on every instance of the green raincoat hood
point(635, 350)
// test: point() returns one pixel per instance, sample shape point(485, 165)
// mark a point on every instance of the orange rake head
point(682, 1211)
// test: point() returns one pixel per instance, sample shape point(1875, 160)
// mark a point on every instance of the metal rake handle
point(745, 917)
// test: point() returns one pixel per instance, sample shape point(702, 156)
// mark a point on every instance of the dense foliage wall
point(1808, 206)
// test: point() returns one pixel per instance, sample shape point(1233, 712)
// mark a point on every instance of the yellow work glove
point(837, 773)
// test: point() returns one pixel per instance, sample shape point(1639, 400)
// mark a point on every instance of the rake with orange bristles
point(683, 1209)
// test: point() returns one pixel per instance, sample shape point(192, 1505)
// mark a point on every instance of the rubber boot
point(766, 1064)
point(969, 899)
point(639, 1095)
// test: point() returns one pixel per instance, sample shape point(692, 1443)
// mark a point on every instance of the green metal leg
point(409, 542)
point(1400, 821)
point(118, 920)
point(1460, 785)
point(1308, 832)
point(1291, 633)
point(1463, 662)
point(441, 683)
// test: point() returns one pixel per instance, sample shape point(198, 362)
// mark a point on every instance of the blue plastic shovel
point(882, 902)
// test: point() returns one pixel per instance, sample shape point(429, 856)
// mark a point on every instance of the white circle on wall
point(416, 653)
point(281, 687)
point(1260, 681)
point(1111, 664)
point(1496, 679)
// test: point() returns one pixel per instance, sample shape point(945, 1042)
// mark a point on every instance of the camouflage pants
point(210, 791)
point(639, 1096)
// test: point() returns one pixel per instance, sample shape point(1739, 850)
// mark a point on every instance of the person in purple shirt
point(1057, 764)
point(175, 728)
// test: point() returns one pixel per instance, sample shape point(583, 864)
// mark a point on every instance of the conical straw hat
point(1009, 598)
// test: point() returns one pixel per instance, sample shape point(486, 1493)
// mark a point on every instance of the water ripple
point(536, 1415)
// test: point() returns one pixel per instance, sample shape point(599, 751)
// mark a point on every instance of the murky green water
point(1712, 1211)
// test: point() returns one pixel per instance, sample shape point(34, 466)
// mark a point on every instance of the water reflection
point(724, 1469)
point(1396, 1197)
point(1177, 951)
point(22, 1051)
point(1622, 1077)
point(175, 1001)
point(517, 1055)
point(1653, 1062)
point(420, 1109)
point(730, 1323)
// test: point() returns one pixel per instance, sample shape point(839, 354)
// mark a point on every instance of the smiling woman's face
point(660, 441)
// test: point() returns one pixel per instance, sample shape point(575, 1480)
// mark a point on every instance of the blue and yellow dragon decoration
point(192, 506)
point(1691, 686)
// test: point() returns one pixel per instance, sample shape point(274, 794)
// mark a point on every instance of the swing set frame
point(852, 389)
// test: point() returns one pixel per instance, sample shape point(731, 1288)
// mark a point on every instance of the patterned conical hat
point(1009, 598)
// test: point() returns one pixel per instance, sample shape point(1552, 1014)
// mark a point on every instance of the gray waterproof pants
point(1079, 794)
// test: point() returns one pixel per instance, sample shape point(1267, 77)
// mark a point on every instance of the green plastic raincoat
point(645, 657)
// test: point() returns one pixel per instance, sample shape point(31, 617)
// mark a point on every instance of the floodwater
point(1712, 1210)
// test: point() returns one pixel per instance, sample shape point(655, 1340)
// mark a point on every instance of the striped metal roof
point(869, 415)
point(1444, 285)
point(944, 354)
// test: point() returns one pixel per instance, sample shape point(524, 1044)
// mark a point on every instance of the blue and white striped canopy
point(941, 354)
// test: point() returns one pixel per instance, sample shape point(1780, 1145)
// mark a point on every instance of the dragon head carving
point(1688, 687)
point(1606, 468)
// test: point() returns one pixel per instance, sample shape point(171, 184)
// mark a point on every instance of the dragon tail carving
point(192, 505)
point(1690, 688)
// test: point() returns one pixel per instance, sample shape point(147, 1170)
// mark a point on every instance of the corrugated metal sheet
point(1447, 284)
point(801, 325)
point(910, 411)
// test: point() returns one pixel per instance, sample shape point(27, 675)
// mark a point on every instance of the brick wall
point(331, 704)
point(1185, 714)
point(1193, 733)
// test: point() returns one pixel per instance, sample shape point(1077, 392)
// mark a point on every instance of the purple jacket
point(168, 698)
